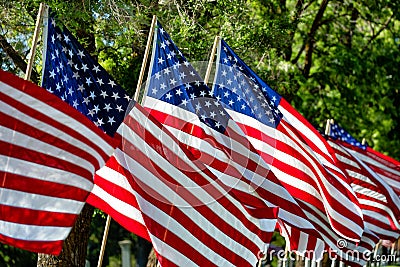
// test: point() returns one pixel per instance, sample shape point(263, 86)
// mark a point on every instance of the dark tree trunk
point(74, 249)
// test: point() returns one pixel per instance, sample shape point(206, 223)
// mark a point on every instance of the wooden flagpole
point(136, 97)
point(34, 42)
point(144, 62)
point(103, 242)
point(363, 141)
point(328, 127)
point(210, 62)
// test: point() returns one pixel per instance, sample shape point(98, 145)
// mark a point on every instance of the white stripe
point(44, 173)
point(172, 254)
point(382, 183)
point(62, 118)
point(175, 227)
point(302, 242)
point(304, 168)
point(360, 177)
point(368, 192)
point(118, 205)
point(158, 185)
point(379, 231)
point(374, 162)
point(32, 201)
point(304, 130)
point(378, 175)
point(121, 181)
point(347, 161)
point(382, 207)
point(12, 137)
point(33, 232)
point(377, 216)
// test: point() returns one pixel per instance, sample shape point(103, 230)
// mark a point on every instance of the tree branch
point(310, 38)
point(288, 51)
point(16, 58)
point(377, 34)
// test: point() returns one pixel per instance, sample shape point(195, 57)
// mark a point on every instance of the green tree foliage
point(331, 59)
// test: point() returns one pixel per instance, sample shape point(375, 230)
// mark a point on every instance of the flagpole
point(209, 67)
point(34, 43)
point(103, 242)
point(145, 57)
point(328, 127)
point(363, 141)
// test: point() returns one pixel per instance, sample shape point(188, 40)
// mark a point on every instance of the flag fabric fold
point(48, 156)
point(299, 156)
point(175, 201)
point(177, 96)
point(156, 186)
point(379, 203)
point(386, 167)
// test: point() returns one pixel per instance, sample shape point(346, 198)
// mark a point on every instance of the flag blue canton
point(337, 132)
point(74, 76)
point(175, 81)
point(243, 91)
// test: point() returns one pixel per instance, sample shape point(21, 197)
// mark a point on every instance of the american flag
point(221, 234)
point(174, 201)
point(337, 132)
point(177, 97)
point(379, 202)
point(49, 152)
point(304, 164)
point(283, 138)
point(386, 167)
point(73, 75)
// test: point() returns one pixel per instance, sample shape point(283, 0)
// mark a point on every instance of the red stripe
point(126, 222)
point(330, 156)
point(165, 262)
point(191, 226)
point(382, 158)
point(52, 100)
point(179, 244)
point(40, 187)
point(28, 155)
point(21, 127)
point(157, 171)
point(46, 247)
point(36, 217)
point(118, 192)
point(192, 129)
point(183, 192)
point(375, 188)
